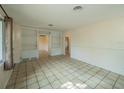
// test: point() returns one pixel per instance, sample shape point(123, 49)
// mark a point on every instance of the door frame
point(67, 34)
point(49, 42)
point(68, 41)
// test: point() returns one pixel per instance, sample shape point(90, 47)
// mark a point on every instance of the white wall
point(100, 44)
point(16, 43)
point(29, 43)
point(56, 43)
point(30, 37)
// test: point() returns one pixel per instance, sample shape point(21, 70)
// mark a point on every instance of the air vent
point(50, 25)
point(77, 8)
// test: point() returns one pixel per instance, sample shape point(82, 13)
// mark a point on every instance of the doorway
point(43, 46)
point(67, 46)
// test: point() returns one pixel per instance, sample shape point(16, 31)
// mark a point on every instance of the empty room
point(61, 46)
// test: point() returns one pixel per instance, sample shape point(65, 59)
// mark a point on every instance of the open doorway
point(67, 46)
point(43, 46)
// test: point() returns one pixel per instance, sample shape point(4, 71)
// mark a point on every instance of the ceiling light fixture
point(77, 8)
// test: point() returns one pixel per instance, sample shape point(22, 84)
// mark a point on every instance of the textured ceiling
point(62, 16)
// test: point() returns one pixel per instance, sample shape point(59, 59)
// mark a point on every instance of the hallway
point(43, 46)
point(61, 72)
point(43, 54)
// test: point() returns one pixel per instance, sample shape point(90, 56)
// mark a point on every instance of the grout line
point(102, 79)
point(92, 75)
point(87, 71)
point(35, 75)
point(54, 74)
point(26, 74)
point(47, 79)
point(45, 76)
point(16, 76)
point(76, 70)
point(115, 81)
point(55, 62)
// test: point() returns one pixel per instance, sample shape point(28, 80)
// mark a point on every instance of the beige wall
point(100, 44)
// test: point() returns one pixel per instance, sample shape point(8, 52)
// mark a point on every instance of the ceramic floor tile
point(31, 81)
point(43, 82)
point(63, 80)
point(10, 86)
point(105, 85)
point(68, 85)
point(20, 85)
point(96, 80)
point(99, 76)
point(119, 85)
point(52, 79)
point(83, 79)
point(33, 86)
point(30, 75)
point(109, 81)
point(20, 80)
point(121, 77)
point(99, 87)
point(121, 81)
point(47, 87)
point(112, 77)
point(39, 74)
point(56, 84)
point(53, 72)
point(70, 77)
point(39, 78)
point(92, 84)
point(87, 76)
point(76, 81)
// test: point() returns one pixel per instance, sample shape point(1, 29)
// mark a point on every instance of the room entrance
point(43, 46)
point(67, 46)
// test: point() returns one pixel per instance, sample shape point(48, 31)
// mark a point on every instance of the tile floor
point(61, 72)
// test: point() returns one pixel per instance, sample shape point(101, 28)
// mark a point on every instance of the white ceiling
point(62, 16)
